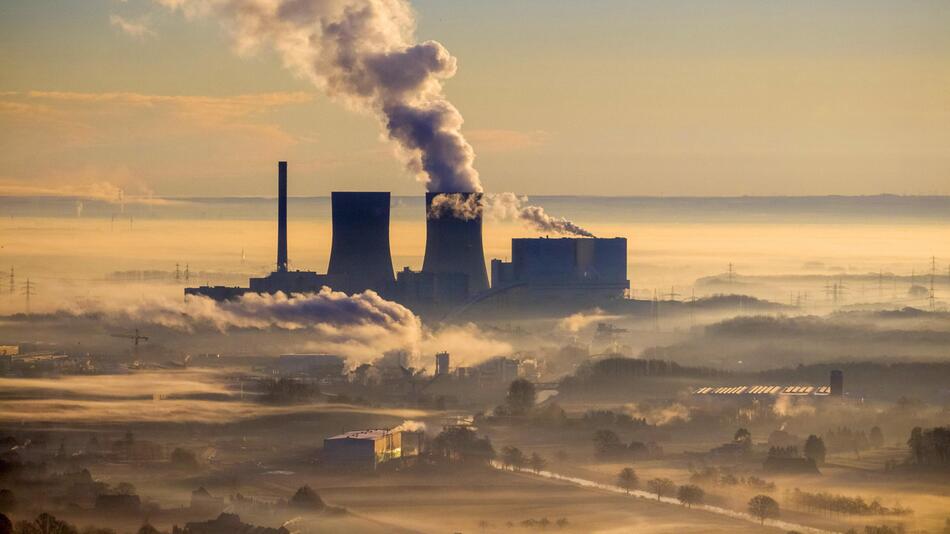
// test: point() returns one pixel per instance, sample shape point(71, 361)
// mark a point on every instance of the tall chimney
point(359, 252)
point(454, 245)
point(282, 216)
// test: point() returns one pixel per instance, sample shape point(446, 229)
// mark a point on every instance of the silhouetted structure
point(442, 364)
point(360, 255)
point(282, 216)
point(454, 243)
point(837, 383)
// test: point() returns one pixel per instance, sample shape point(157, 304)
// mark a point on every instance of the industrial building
point(367, 449)
point(547, 274)
point(835, 388)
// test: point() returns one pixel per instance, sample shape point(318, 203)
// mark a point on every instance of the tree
point(876, 437)
point(607, 443)
point(461, 444)
point(815, 449)
point(743, 437)
point(763, 507)
point(521, 397)
point(306, 499)
point(690, 494)
point(45, 524)
point(537, 462)
point(661, 486)
point(6, 526)
point(627, 479)
point(512, 457)
point(148, 529)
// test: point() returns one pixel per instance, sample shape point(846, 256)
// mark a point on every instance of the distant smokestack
point(454, 243)
point(282, 216)
point(360, 249)
point(837, 383)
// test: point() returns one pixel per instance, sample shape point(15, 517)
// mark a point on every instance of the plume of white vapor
point(410, 426)
point(578, 321)
point(364, 53)
point(361, 326)
point(504, 207)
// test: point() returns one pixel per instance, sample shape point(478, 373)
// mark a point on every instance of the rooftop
point(798, 390)
point(371, 434)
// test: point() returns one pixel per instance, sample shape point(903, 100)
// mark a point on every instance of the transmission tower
point(731, 273)
point(673, 294)
point(12, 281)
point(29, 289)
point(177, 272)
point(187, 273)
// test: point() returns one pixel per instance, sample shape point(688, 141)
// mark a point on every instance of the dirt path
point(777, 523)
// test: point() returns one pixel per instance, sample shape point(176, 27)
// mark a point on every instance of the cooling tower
point(282, 216)
point(360, 250)
point(454, 245)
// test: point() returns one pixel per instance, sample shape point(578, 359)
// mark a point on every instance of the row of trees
point(46, 523)
point(930, 446)
point(688, 494)
point(842, 504)
point(607, 446)
point(761, 507)
point(844, 439)
point(513, 458)
point(722, 477)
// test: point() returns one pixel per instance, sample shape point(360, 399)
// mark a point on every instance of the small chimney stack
point(282, 216)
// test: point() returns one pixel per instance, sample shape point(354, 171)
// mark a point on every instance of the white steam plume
point(364, 54)
point(361, 327)
point(504, 207)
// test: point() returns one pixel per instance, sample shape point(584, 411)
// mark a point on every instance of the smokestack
point(282, 216)
point(360, 249)
point(454, 243)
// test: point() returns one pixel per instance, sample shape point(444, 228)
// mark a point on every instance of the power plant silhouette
point(543, 273)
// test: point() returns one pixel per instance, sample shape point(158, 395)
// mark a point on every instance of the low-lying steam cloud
point(364, 54)
point(361, 327)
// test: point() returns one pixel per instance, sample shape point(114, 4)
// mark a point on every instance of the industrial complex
point(543, 272)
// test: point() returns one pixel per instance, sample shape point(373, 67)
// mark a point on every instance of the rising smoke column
point(364, 54)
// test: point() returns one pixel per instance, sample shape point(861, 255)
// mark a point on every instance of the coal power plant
point(543, 274)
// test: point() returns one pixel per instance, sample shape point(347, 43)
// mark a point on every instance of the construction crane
point(136, 337)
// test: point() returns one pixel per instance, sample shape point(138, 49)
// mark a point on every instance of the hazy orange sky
point(603, 97)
